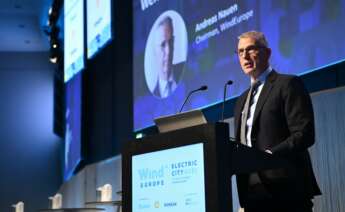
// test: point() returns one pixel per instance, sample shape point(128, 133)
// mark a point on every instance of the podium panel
point(187, 170)
point(181, 170)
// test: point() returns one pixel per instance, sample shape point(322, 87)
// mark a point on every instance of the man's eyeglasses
point(251, 50)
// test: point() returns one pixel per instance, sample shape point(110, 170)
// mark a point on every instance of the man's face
point(254, 59)
point(164, 50)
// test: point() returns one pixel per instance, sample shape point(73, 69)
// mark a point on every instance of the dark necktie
point(253, 178)
point(245, 112)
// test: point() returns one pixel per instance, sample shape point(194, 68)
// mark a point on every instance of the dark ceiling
point(21, 25)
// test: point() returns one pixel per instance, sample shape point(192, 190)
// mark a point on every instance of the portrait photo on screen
point(165, 54)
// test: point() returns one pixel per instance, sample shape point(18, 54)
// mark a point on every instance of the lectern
point(186, 170)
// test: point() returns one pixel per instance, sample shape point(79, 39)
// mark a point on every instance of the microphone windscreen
point(229, 82)
point(202, 88)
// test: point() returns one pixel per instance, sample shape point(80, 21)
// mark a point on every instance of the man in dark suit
point(276, 116)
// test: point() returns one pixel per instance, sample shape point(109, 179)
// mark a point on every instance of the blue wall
point(29, 151)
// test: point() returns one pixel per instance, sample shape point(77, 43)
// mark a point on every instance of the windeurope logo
point(152, 177)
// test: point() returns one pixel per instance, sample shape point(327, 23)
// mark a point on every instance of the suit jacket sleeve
point(299, 118)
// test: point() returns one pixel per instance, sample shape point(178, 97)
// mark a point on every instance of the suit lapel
point(238, 111)
point(264, 93)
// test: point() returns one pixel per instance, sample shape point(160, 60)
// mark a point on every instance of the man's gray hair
point(167, 20)
point(259, 37)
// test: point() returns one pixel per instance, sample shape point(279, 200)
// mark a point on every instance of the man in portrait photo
point(163, 55)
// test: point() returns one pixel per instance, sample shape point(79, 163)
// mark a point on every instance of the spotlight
point(54, 43)
point(53, 59)
point(54, 55)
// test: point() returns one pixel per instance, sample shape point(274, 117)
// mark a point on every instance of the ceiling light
point(53, 59)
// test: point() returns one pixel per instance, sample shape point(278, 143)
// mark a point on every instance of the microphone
point(224, 96)
point(202, 88)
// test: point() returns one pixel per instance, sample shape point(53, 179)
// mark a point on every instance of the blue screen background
point(73, 126)
point(303, 36)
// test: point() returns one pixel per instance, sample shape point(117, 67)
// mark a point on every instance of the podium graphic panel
point(169, 180)
point(181, 170)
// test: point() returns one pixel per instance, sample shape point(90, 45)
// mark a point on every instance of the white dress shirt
point(262, 79)
point(164, 89)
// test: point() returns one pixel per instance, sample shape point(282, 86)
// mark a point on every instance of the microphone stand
point(224, 96)
point(202, 88)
